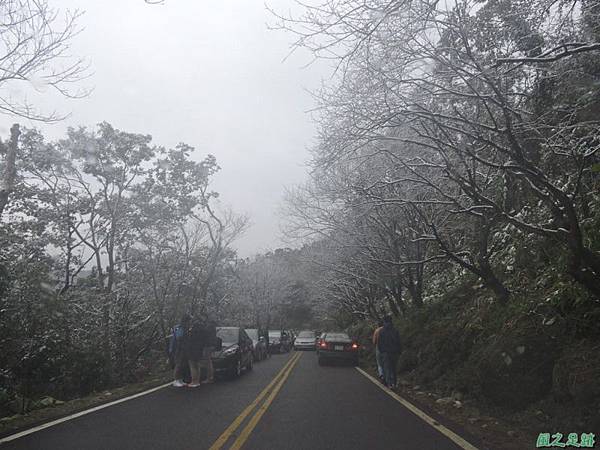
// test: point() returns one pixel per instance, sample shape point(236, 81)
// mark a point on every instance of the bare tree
point(34, 50)
point(429, 70)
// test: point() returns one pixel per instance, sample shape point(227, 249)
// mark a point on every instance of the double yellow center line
point(271, 390)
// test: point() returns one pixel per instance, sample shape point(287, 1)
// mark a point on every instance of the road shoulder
point(466, 415)
point(21, 422)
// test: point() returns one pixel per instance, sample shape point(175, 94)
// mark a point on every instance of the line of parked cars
point(241, 347)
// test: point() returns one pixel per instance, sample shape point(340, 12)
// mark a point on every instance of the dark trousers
point(390, 361)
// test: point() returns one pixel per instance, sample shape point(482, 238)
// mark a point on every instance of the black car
point(235, 353)
point(337, 346)
point(279, 341)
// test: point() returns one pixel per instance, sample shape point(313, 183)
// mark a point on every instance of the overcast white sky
point(208, 73)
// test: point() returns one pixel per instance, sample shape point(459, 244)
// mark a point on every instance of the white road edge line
point(412, 408)
point(12, 437)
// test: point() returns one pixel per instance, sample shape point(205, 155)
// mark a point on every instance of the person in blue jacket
point(178, 349)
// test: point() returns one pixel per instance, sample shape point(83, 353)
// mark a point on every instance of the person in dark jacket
point(212, 344)
point(388, 343)
point(195, 350)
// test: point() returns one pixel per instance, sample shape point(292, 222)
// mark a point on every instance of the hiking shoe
point(178, 383)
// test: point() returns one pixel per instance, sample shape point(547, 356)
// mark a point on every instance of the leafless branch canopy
point(35, 41)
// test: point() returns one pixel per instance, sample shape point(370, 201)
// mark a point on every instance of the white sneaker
point(178, 383)
point(193, 385)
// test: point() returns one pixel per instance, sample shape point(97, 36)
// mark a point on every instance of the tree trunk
point(393, 302)
point(491, 281)
point(415, 286)
point(10, 169)
point(585, 269)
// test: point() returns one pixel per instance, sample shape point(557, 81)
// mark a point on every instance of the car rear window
point(228, 335)
point(306, 334)
point(334, 336)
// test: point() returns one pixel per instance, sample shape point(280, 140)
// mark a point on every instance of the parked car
point(235, 353)
point(259, 346)
point(306, 340)
point(279, 341)
point(337, 346)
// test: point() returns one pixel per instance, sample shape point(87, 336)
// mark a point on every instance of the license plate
point(338, 347)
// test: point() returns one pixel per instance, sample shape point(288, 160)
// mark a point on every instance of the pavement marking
point(462, 443)
point(245, 434)
point(221, 440)
point(12, 437)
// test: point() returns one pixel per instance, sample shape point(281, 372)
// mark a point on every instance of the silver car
point(306, 340)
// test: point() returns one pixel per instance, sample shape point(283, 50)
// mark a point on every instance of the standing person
point(388, 342)
point(209, 348)
point(195, 352)
point(266, 335)
point(178, 349)
point(377, 352)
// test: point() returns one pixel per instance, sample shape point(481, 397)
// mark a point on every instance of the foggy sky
point(208, 73)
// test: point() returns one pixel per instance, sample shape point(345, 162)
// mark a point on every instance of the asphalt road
point(307, 407)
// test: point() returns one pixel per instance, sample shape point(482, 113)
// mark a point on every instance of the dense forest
point(456, 185)
point(108, 240)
